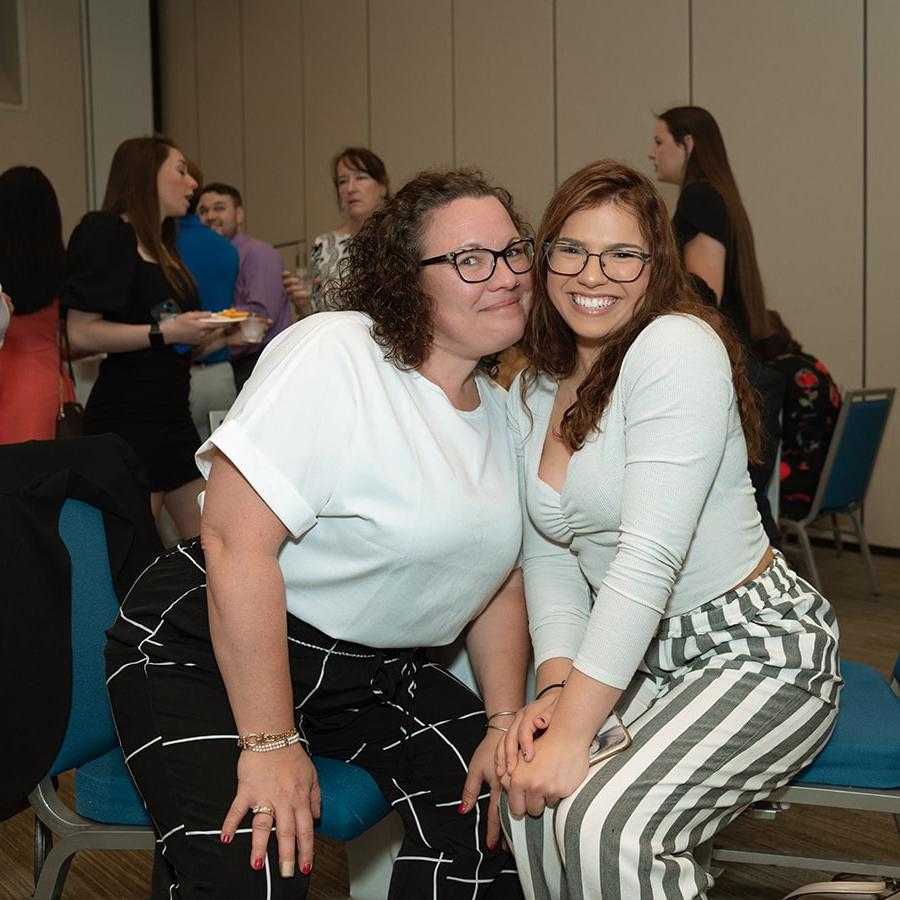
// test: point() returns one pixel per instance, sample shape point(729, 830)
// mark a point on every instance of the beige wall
point(882, 309)
point(49, 132)
point(89, 77)
point(531, 89)
point(263, 92)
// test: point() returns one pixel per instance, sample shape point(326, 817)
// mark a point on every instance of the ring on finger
point(266, 810)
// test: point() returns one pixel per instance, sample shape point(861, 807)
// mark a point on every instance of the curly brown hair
point(549, 343)
point(380, 274)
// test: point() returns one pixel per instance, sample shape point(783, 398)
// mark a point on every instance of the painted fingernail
point(258, 863)
point(225, 838)
point(492, 846)
point(287, 868)
point(306, 869)
point(462, 808)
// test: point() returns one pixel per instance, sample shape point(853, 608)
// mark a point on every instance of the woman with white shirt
point(683, 670)
point(361, 504)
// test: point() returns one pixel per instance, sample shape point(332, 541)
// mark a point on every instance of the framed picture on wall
point(13, 82)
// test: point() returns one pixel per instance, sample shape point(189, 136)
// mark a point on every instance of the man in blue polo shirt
point(213, 261)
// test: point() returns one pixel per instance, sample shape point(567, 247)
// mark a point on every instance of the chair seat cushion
point(105, 792)
point(864, 749)
point(351, 800)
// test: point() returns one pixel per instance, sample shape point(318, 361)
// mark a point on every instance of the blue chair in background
point(859, 769)
point(109, 813)
point(846, 474)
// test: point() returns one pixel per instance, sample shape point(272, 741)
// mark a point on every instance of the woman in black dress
point(710, 222)
point(716, 244)
point(129, 295)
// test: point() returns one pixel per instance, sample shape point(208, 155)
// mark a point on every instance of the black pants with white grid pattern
point(407, 721)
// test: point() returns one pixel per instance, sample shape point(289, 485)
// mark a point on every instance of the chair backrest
point(853, 450)
point(90, 731)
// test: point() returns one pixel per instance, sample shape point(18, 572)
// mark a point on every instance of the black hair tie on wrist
point(550, 687)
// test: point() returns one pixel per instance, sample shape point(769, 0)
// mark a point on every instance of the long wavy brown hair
point(549, 343)
point(131, 190)
point(380, 275)
point(708, 161)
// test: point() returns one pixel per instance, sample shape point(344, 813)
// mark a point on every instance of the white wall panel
point(49, 132)
point(503, 87)
point(178, 74)
point(606, 99)
point(273, 119)
point(335, 98)
point(412, 103)
point(121, 85)
point(220, 91)
point(882, 306)
point(785, 83)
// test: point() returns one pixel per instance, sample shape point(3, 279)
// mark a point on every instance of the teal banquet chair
point(109, 813)
point(846, 474)
point(858, 769)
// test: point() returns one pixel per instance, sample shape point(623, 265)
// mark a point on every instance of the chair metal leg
point(49, 886)
point(864, 547)
point(43, 844)
point(838, 543)
point(76, 833)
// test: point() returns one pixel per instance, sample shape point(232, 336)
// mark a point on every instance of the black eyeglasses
point(619, 264)
point(478, 263)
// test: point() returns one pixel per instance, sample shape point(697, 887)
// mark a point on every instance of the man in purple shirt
point(259, 288)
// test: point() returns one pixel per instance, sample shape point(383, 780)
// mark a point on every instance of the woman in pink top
point(32, 260)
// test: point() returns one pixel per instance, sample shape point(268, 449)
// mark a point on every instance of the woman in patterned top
point(809, 413)
point(362, 185)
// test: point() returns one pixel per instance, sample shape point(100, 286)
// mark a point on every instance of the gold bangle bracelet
point(498, 728)
point(261, 741)
point(504, 712)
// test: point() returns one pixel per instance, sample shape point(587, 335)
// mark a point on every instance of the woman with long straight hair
point(710, 222)
point(129, 295)
point(664, 625)
point(32, 264)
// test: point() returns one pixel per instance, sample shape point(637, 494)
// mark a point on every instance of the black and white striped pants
point(407, 721)
point(731, 701)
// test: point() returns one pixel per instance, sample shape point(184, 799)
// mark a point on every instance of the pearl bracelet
point(261, 742)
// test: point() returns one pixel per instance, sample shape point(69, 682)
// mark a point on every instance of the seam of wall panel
point(197, 136)
point(865, 192)
point(369, 74)
point(90, 180)
point(453, 77)
point(243, 119)
point(303, 158)
point(555, 103)
point(691, 52)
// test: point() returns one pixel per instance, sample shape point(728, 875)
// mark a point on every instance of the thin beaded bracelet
point(550, 687)
point(261, 742)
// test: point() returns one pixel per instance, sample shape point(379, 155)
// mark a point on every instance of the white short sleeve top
point(403, 510)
